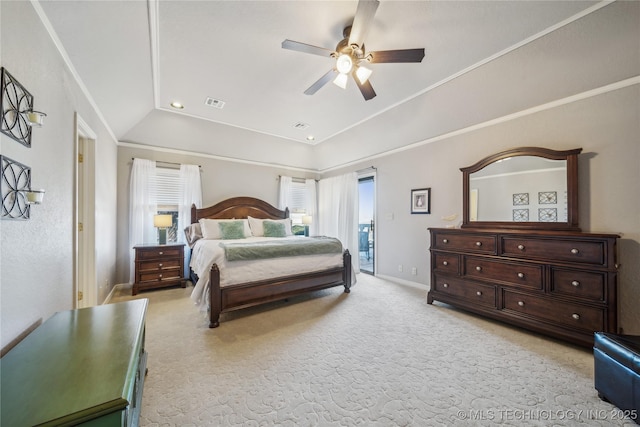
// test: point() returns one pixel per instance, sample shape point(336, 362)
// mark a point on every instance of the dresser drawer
point(159, 252)
point(474, 292)
point(521, 275)
point(567, 314)
point(578, 251)
point(445, 263)
point(477, 243)
point(161, 264)
point(580, 284)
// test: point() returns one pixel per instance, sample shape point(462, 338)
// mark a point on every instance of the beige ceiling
point(484, 60)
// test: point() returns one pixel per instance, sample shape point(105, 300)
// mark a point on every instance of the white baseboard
point(421, 286)
point(107, 300)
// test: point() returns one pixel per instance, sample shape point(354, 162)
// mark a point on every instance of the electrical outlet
point(414, 271)
point(400, 267)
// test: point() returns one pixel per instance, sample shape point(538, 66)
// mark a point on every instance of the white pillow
point(211, 229)
point(257, 228)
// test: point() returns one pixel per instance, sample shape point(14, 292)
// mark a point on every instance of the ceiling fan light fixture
point(344, 64)
point(341, 81)
point(363, 74)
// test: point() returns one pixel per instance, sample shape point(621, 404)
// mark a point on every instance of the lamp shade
point(162, 221)
point(307, 219)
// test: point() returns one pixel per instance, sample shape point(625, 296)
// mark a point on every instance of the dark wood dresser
point(158, 266)
point(80, 367)
point(559, 283)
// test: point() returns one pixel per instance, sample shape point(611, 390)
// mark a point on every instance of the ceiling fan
point(350, 54)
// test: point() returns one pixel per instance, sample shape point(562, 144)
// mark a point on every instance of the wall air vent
point(212, 102)
point(300, 126)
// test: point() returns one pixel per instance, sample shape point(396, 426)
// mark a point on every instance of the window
point(298, 201)
point(167, 189)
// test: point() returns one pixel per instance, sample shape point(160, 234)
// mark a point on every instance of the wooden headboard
point(239, 207)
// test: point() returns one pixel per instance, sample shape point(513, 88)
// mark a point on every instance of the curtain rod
point(370, 167)
point(298, 179)
point(167, 163)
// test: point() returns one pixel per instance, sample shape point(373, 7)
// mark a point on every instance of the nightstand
point(158, 266)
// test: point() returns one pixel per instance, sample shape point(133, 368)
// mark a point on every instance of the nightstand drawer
point(159, 265)
point(159, 276)
point(158, 252)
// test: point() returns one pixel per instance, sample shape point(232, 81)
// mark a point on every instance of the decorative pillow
point(211, 227)
point(232, 230)
point(193, 233)
point(256, 226)
point(274, 228)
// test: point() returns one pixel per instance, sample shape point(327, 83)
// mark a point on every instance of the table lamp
point(162, 222)
point(306, 220)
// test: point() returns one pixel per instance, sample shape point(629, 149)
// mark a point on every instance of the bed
point(232, 285)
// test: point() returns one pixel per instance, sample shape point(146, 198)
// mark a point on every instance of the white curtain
point(312, 205)
point(142, 208)
point(191, 192)
point(338, 212)
point(284, 197)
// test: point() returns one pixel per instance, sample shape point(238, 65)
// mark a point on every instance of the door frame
point(85, 274)
point(364, 175)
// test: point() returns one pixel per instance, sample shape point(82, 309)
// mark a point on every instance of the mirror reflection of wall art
point(14, 103)
point(15, 182)
point(520, 199)
point(547, 197)
point(547, 214)
point(421, 201)
point(521, 215)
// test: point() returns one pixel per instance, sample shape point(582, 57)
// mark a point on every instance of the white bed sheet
point(206, 252)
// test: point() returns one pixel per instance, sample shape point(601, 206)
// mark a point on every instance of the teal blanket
point(281, 248)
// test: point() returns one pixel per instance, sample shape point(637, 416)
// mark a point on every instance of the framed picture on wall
point(421, 201)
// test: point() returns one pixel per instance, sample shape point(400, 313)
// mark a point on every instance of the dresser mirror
point(523, 188)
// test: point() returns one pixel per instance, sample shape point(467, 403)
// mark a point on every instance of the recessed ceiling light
point(177, 105)
point(311, 138)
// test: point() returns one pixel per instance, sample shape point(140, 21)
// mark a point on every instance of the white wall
point(606, 127)
point(36, 279)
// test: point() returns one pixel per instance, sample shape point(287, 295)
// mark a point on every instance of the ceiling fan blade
point(365, 88)
point(306, 48)
point(362, 21)
point(400, 55)
point(321, 82)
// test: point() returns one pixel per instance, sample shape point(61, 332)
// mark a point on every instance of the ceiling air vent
point(300, 126)
point(212, 102)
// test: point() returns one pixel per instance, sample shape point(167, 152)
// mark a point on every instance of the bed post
point(215, 302)
point(346, 275)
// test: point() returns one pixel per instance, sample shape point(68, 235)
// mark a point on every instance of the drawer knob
point(160, 265)
point(575, 283)
point(521, 275)
point(575, 251)
point(478, 244)
point(445, 285)
point(445, 262)
point(521, 303)
point(479, 293)
point(478, 268)
point(161, 253)
point(445, 240)
point(576, 316)
point(521, 247)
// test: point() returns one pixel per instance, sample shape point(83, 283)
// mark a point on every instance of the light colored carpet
point(379, 356)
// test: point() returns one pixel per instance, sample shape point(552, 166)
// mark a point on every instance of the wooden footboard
point(243, 295)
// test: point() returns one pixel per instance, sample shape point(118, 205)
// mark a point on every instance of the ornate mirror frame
point(571, 157)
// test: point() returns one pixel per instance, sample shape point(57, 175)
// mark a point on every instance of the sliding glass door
point(366, 223)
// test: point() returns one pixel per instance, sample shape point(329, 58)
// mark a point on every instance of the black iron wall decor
point(15, 104)
point(15, 182)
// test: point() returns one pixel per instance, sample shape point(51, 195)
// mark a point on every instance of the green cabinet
point(81, 367)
